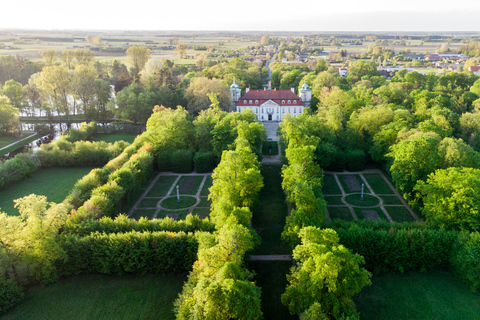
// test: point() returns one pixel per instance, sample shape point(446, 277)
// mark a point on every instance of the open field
point(93, 296)
point(54, 183)
point(417, 295)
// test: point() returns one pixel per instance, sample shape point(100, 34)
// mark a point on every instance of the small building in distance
point(343, 72)
point(474, 69)
point(271, 105)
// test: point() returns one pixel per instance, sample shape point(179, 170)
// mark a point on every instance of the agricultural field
point(159, 200)
point(380, 201)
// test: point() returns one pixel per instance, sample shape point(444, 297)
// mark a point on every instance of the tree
point(451, 198)
point(135, 103)
point(83, 85)
point(181, 50)
point(14, 91)
point(264, 40)
point(54, 84)
point(327, 274)
point(84, 56)
point(50, 56)
point(138, 57)
point(9, 122)
point(68, 57)
point(197, 94)
point(201, 60)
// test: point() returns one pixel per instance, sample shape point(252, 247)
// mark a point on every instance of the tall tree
point(54, 84)
point(138, 57)
point(50, 56)
point(9, 124)
point(181, 50)
point(83, 85)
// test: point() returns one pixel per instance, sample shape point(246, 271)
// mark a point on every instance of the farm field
point(342, 192)
point(417, 295)
point(60, 182)
point(93, 296)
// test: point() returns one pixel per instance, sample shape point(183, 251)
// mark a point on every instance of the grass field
point(114, 137)
point(417, 295)
point(340, 213)
point(54, 183)
point(377, 183)
point(356, 200)
point(5, 141)
point(330, 185)
point(92, 296)
point(206, 186)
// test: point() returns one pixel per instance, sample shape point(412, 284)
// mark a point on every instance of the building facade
point(271, 105)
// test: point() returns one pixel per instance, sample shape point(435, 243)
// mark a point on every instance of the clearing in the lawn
point(343, 193)
point(160, 198)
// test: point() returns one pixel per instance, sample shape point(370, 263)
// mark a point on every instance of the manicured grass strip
point(93, 296)
point(201, 212)
point(358, 212)
point(138, 193)
point(330, 185)
point(182, 214)
point(206, 186)
point(5, 141)
point(270, 213)
point(185, 202)
point(19, 144)
point(399, 214)
point(54, 183)
point(342, 213)
point(148, 203)
point(204, 202)
point(391, 200)
point(417, 295)
point(189, 184)
point(114, 137)
point(356, 200)
point(162, 186)
point(270, 151)
point(148, 213)
point(334, 200)
point(377, 183)
point(341, 177)
point(271, 277)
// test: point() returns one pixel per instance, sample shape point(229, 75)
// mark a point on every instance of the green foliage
point(465, 259)
point(205, 161)
point(451, 198)
point(21, 166)
point(164, 161)
point(355, 160)
point(327, 274)
point(325, 154)
point(9, 122)
point(120, 253)
point(84, 132)
point(339, 162)
point(82, 190)
point(107, 198)
point(10, 295)
point(182, 161)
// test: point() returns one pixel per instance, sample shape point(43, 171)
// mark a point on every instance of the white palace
point(271, 105)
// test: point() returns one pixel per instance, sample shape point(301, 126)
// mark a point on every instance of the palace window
point(295, 110)
point(294, 101)
point(283, 101)
point(289, 101)
point(250, 101)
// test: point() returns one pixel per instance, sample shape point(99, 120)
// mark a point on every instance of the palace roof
point(279, 96)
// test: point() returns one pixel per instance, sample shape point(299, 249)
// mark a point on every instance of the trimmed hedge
point(355, 160)
point(10, 295)
point(82, 190)
point(123, 224)
point(21, 166)
point(339, 162)
point(84, 132)
point(164, 161)
point(182, 161)
point(205, 161)
point(131, 252)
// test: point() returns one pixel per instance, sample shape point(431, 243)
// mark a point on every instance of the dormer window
point(289, 101)
point(256, 101)
point(294, 101)
point(283, 101)
point(250, 101)
point(244, 101)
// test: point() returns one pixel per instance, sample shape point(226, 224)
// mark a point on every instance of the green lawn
point(54, 183)
point(148, 203)
point(201, 212)
point(391, 200)
point(334, 200)
point(356, 200)
point(160, 189)
point(185, 202)
point(377, 183)
point(345, 186)
point(417, 295)
point(358, 212)
point(342, 213)
point(115, 137)
point(4, 141)
point(399, 214)
point(330, 185)
point(270, 213)
point(271, 276)
point(206, 186)
point(204, 202)
point(93, 296)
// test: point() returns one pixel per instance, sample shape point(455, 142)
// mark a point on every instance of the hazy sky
point(307, 15)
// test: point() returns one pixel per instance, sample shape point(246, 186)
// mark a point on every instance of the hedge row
point(119, 253)
point(183, 161)
point(122, 224)
point(10, 295)
point(20, 167)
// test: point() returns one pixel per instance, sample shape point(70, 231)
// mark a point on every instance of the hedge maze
point(342, 192)
point(160, 198)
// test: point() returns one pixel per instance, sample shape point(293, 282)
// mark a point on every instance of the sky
point(246, 15)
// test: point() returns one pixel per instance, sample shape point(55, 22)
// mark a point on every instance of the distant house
point(343, 72)
point(474, 69)
point(433, 57)
point(414, 56)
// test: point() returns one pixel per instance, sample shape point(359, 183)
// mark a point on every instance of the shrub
point(355, 160)
point(82, 190)
point(164, 161)
point(339, 161)
point(465, 259)
point(84, 132)
point(325, 154)
point(10, 295)
point(108, 198)
point(182, 161)
point(205, 161)
point(16, 169)
point(125, 179)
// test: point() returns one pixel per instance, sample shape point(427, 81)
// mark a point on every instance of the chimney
point(264, 89)
point(275, 89)
point(293, 90)
point(246, 90)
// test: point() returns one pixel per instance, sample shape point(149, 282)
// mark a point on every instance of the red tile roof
point(262, 96)
point(474, 68)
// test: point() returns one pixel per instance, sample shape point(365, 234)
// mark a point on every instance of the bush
point(182, 161)
point(84, 132)
point(82, 190)
point(120, 253)
point(339, 161)
point(10, 295)
point(465, 260)
point(325, 154)
point(355, 160)
point(205, 161)
point(16, 169)
point(164, 161)
point(108, 198)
